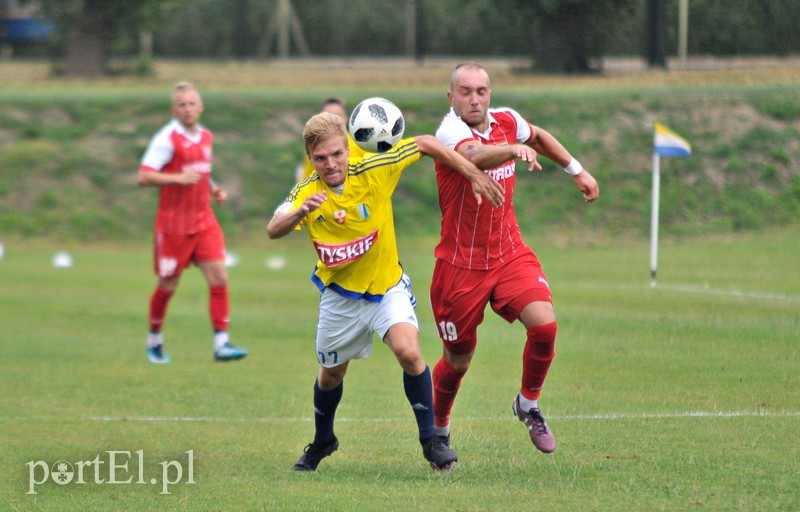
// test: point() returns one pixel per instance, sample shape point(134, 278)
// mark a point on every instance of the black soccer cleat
point(437, 451)
point(313, 454)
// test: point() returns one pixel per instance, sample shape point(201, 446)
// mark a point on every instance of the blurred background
point(573, 36)
point(85, 83)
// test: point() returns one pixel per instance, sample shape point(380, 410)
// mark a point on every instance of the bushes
point(75, 177)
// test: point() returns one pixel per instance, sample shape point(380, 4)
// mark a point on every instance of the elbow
point(476, 160)
point(272, 232)
point(477, 156)
point(142, 179)
point(425, 143)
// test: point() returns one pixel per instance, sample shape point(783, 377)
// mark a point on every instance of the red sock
point(158, 308)
point(218, 307)
point(446, 382)
point(536, 358)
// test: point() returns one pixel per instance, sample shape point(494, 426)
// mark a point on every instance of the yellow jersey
point(356, 154)
point(353, 233)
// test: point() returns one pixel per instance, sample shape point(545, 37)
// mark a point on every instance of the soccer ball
point(376, 125)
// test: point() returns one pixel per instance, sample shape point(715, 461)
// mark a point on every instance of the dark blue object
point(24, 29)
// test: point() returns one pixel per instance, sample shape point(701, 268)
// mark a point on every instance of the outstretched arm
point(547, 145)
point(487, 156)
point(482, 184)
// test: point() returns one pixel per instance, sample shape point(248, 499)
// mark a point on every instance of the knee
point(328, 382)
point(330, 378)
point(217, 280)
point(168, 284)
point(537, 313)
point(541, 341)
point(459, 362)
point(410, 358)
point(215, 273)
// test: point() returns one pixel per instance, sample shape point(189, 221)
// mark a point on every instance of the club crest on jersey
point(340, 216)
point(334, 255)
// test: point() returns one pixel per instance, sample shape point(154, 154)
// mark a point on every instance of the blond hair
point(322, 127)
point(181, 87)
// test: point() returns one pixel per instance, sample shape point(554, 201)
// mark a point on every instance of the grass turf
point(685, 396)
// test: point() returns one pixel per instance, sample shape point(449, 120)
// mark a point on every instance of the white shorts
point(345, 326)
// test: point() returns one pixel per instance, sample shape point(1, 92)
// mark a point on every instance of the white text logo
point(116, 467)
point(501, 173)
point(333, 255)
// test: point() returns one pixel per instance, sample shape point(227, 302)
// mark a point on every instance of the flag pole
point(654, 218)
point(665, 143)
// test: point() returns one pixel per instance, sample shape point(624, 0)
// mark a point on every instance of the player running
point(347, 212)
point(481, 258)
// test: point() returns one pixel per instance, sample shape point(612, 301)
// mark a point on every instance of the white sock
point(154, 339)
point(442, 431)
point(527, 404)
point(220, 339)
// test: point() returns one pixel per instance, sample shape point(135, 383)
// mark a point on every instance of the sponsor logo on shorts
point(333, 255)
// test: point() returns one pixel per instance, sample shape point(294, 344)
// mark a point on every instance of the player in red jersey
point(178, 162)
point(481, 257)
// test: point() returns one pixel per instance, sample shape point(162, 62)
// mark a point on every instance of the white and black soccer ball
point(376, 125)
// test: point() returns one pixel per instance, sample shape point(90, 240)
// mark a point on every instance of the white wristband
point(573, 168)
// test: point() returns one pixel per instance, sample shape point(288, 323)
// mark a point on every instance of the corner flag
point(668, 144)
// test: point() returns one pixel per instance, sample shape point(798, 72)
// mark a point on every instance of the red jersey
point(182, 209)
point(479, 237)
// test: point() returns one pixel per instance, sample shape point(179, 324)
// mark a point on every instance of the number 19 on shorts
point(447, 331)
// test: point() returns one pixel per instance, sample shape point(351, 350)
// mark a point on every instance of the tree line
point(557, 35)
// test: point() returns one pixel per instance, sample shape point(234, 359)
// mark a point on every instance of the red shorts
point(173, 253)
point(459, 297)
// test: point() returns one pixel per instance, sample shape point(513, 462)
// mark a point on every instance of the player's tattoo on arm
point(472, 148)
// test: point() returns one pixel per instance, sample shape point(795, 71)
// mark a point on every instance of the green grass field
point(681, 397)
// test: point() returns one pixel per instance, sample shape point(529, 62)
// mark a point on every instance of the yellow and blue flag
point(670, 144)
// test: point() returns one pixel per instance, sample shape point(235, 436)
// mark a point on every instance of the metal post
point(683, 30)
point(654, 218)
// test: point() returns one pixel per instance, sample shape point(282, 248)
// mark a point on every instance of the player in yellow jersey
point(347, 212)
point(336, 106)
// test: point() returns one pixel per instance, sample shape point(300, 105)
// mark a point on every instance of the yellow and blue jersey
point(353, 233)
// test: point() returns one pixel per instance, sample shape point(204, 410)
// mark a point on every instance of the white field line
point(699, 290)
point(565, 417)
